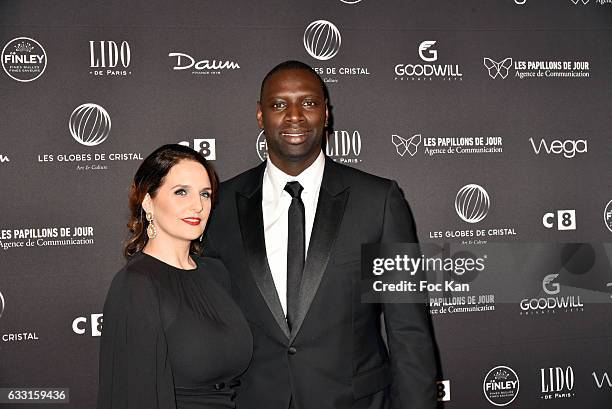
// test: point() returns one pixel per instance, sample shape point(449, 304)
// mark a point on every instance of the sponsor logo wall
point(492, 118)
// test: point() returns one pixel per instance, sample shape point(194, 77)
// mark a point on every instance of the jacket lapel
point(251, 226)
point(328, 217)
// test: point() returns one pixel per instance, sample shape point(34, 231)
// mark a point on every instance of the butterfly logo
point(495, 68)
point(409, 145)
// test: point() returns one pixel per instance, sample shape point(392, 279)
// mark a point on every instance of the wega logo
point(423, 47)
point(578, 1)
point(322, 40)
point(4, 159)
point(499, 69)
point(89, 124)
point(602, 380)
point(568, 148)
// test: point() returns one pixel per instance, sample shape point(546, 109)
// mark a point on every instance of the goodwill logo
point(447, 146)
point(322, 40)
point(506, 67)
point(107, 58)
point(202, 67)
point(24, 59)
point(501, 385)
point(553, 303)
point(426, 70)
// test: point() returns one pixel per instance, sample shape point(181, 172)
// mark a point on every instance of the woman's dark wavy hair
point(149, 177)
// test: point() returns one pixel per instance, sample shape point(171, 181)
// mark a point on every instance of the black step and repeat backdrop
point(493, 116)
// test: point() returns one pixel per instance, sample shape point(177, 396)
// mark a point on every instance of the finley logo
point(472, 203)
point(89, 124)
point(322, 40)
point(501, 386)
point(403, 145)
point(499, 69)
point(608, 215)
point(24, 59)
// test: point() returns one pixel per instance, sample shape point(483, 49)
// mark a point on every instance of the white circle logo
point(24, 59)
point(472, 203)
point(322, 40)
point(608, 215)
point(261, 146)
point(501, 386)
point(89, 124)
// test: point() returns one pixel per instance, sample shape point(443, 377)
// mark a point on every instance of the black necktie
point(296, 249)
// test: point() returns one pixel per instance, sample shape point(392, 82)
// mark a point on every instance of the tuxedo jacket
point(335, 355)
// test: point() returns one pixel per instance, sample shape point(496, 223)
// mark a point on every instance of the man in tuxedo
point(290, 233)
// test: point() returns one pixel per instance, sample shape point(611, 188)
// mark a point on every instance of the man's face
point(293, 114)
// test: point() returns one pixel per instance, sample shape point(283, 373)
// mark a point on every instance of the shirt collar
point(310, 178)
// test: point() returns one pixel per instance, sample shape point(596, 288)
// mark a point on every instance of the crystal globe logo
point(1, 304)
point(472, 203)
point(322, 40)
point(89, 124)
point(24, 59)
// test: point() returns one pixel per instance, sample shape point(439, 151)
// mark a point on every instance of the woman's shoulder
point(214, 267)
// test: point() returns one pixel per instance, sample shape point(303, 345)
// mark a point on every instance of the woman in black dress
point(172, 337)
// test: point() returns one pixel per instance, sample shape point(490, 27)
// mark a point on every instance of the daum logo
point(24, 59)
point(185, 62)
point(501, 386)
point(499, 69)
point(549, 287)
point(89, 124)
point(432, 55)
point(322, 40)
point(472, 203)
point(409, 145)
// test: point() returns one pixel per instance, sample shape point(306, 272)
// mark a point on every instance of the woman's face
point(182, 203)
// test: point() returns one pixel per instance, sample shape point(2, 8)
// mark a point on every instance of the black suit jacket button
point(219, 386)
point(292, 350)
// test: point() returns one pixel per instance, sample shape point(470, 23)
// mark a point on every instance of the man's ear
point(147, 204)
point(326, 114)
point(259, 116)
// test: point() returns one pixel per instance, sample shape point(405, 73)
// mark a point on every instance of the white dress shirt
point(275, 207)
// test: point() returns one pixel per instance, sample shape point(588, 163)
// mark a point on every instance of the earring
point(151, 230)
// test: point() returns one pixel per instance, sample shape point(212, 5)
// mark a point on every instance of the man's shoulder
point(356, 176)
point(243, 180)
